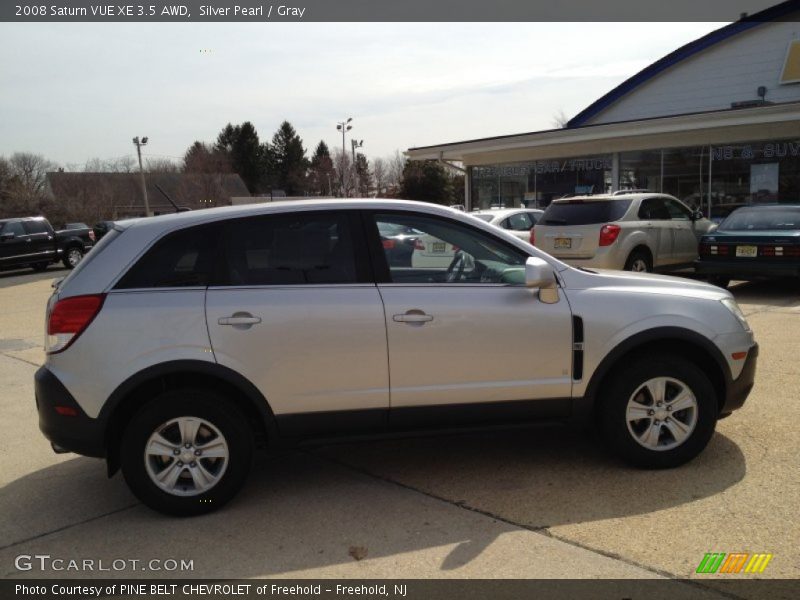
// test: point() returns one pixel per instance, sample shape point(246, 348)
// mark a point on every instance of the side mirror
point(6, 236)
point(539, 273)
point(697, 215)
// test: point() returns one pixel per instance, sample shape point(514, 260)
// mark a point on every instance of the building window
point(535, 184)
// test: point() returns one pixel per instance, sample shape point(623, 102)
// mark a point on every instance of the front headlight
point(732, 306)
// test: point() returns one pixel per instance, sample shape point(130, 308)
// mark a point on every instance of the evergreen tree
point(322, 175)
point(428, 181)
point(291, 164)
point(241, 145)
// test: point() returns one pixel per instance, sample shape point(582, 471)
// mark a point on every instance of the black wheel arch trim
point(584, 407)
point(185, 367)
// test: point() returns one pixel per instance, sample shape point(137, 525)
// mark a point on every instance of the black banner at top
point(213, 11)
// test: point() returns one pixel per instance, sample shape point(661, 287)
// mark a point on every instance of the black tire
point(629, 379)
point(639, 257)
point(210, 407)
point(719, 281)
point(39, 267)
point(69, 252)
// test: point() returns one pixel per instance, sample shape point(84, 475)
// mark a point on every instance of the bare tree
point(379, 173)
point(345, 173)
point(161, 165)
point(559, 120)
point(122, 164)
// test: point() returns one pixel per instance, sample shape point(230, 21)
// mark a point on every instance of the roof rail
point(634, 191)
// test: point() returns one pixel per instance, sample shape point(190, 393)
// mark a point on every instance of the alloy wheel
point(186, 456)
point(662, 413)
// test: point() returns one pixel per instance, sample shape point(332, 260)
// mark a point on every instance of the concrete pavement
point(541, 502)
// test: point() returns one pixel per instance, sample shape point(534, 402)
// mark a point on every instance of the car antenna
point(177, 208)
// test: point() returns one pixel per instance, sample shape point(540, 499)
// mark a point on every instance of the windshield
point(763, 219)
point(584, 212)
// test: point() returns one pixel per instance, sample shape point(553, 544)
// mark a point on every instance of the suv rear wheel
point(187, 452)
point(639, 261)
point(72, 256)
point(658, 412)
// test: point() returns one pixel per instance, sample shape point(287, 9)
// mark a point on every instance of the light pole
point(344, 127)
point(139, 143)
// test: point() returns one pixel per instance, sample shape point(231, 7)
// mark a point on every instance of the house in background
point(91, 197)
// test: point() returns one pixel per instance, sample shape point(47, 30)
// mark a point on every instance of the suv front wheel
point(186, 452)
point(658, 412)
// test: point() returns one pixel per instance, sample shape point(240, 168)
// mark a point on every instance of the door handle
point(412, 317)
point(240, 319)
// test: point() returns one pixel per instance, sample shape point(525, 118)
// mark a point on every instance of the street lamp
point(344, 127)
point(139, 143)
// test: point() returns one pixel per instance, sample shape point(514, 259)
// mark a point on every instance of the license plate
point(747, 251)
point(439, 247)
point(562, 243)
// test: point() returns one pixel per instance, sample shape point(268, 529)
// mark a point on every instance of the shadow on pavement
point(310, 509)
point(783, 293)
point(21, 276)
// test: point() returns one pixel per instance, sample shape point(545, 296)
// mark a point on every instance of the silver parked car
point(183, 342)
point(640, 231)
point(517, 221)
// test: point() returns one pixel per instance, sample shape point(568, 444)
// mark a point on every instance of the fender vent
point(577, 347)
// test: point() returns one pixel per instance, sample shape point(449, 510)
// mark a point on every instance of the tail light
point(791, 251)
point(704, 249)
point(533, 236)
point(609, 234)
point(388, 244)
point(69, 318)
point(419, 244)
point(771, 251)
point(91, 235)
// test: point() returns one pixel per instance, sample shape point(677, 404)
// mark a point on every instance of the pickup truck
point(32, 242)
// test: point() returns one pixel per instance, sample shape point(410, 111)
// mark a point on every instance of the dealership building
point(715, 123)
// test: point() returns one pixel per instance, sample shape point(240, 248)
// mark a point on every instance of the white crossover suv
point(641, 231)
point(182, 343)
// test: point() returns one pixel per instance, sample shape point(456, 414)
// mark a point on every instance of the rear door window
point(293, 249)
point(14, 227)
point(584, 212)
point(518, 222)
point(37, 226)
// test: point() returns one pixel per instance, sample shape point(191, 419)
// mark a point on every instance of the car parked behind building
point(631, 231)
point(755, 242)
point(186, 341)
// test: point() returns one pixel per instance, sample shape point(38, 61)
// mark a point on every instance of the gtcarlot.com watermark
point(46, 562)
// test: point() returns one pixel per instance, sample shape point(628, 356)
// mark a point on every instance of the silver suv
point(631, 231)
point(184, 342)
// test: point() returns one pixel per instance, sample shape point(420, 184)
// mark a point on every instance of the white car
point(517, 221)
point(641, 231)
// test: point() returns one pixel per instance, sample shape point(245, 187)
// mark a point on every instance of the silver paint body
point(343, 347)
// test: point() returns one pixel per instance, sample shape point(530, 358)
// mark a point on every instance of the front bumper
point(746, 270)
point(74, 432)
point(739, 389)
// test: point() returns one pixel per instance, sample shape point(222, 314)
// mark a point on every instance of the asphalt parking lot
point(544, 502)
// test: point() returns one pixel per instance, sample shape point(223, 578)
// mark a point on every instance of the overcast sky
point(78, 91)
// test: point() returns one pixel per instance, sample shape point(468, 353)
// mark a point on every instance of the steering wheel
point(456, 268)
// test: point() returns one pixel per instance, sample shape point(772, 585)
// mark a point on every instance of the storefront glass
point(535, 184)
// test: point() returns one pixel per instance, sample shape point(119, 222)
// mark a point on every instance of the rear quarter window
point(185, 258)
point(581, 212)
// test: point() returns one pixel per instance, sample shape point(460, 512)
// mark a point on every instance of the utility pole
point(344, 127)
point(139, 143)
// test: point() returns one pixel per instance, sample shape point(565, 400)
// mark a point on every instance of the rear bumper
point(746, 270)
point(76, 432)
point(739, 389)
